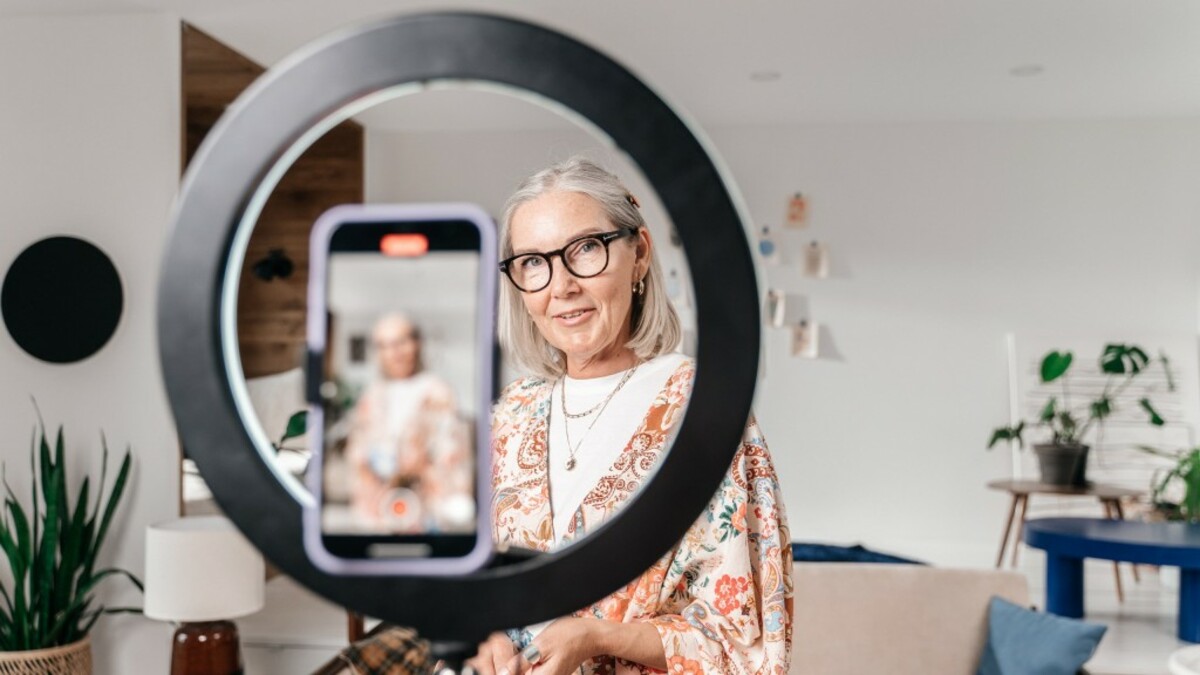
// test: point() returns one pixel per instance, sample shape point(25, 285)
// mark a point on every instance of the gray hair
point(655, 327)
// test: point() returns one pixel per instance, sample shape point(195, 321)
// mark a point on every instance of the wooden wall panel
point(271, 314)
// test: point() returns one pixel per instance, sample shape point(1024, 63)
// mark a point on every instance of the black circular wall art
point(61, 299)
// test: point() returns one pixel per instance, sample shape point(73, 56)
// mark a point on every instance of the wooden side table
point(1110, 497)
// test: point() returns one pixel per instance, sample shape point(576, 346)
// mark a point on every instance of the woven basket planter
point(72, 659)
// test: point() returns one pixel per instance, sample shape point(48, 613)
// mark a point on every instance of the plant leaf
point(88, 585)
point(1055, 365)
point(1155, 418)
point(1119, 359)
point(1166, 364)
point(110, 508)
point(8, 606)
point(1008, 434)
point(12, 551)
point(33, 480)
point(1004, 434)
point(63, 631)
point(1138, 359)
point(1102, 407)
point(43, 572)
point(90, 620)
point(1157, 452)
point(21, 525)
point(1048, 411)
point(71, 549)
point(297, 425)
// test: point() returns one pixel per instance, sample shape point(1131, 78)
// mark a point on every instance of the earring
point(639, 288)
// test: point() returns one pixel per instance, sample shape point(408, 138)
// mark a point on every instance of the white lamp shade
point(201, 569)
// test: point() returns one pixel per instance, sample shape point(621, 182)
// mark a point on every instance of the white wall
point(949, 236)
point(945, 237)
point(89, 147)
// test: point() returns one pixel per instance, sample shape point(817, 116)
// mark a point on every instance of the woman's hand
point(494, 653)
point(561, 647)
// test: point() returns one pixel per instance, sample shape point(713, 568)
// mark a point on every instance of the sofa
point(854, 618)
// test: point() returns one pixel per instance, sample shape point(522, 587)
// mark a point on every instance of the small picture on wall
point(766, 246)
point(804, 340)
point(797, 211)
point(776, 308)
point(358, 349)
point(784, 309)
point(816, 260)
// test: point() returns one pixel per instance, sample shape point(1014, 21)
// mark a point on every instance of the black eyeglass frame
point(605, 238)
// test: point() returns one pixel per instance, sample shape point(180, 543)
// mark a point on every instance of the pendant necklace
point(572, 448)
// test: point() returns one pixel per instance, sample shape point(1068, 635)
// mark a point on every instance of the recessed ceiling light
point(765, 75)
point(1027, 70)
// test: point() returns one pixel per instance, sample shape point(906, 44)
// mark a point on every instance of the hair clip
point(633, 200)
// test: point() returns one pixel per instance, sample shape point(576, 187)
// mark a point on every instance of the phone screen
point(399, 382)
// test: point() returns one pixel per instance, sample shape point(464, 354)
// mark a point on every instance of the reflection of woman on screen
point(408, 449)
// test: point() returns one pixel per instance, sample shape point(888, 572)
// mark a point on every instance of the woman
point(585, 309)
point(407, 446)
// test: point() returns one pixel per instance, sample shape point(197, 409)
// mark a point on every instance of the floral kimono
point(722, 599)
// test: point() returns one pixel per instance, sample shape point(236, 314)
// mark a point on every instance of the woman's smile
point(574, 317)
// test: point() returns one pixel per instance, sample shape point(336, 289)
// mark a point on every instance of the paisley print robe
point(722, 599)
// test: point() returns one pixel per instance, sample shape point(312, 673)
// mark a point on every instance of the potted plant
point(52, 550)
point(1063, 460)
point(1183, 475)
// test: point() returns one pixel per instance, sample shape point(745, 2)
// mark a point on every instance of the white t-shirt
point(612, 427)
point(400, 400)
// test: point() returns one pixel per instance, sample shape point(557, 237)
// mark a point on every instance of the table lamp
point(200, 573)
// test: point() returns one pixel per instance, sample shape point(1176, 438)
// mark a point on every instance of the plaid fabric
point(394, 651)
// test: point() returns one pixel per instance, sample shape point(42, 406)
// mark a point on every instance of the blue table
point(1068, 541)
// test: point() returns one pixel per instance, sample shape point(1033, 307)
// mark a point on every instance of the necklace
point(599, 405)
point(571, 447)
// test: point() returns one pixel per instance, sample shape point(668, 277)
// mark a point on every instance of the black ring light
point(296, 96)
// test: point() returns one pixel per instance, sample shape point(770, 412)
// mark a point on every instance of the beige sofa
point(853, 618)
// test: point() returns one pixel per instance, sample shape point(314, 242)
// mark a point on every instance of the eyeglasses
point(584, 257)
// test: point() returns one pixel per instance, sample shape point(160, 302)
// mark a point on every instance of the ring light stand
point(236, 168)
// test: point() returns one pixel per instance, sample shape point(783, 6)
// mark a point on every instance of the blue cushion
point(1024, 642)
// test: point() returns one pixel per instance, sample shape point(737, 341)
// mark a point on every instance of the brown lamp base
point(208, 648)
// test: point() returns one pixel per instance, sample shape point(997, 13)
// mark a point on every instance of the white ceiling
point(839, 60)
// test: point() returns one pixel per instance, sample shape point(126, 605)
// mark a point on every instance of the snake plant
point(52, 552)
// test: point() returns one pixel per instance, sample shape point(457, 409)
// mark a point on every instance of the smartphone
point(399, 380)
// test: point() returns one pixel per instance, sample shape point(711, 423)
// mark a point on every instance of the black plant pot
point(1062, 464)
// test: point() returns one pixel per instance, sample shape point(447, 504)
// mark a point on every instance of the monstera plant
point(1063, 457)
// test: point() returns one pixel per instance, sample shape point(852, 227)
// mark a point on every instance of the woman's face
point(397, 348)
point(587, 319)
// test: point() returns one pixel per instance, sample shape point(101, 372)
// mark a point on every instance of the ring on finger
point(532, 654)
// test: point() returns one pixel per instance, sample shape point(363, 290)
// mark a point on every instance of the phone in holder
point(400, 379)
